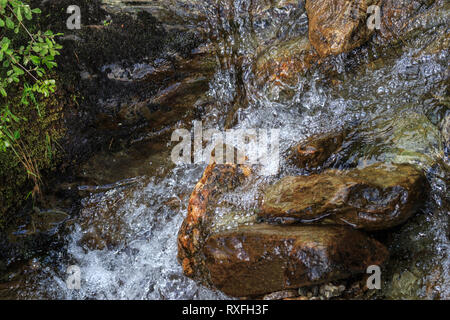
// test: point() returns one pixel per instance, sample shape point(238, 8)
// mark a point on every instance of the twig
point(31, 36)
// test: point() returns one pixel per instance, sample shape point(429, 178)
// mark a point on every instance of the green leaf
point(3, 92)
point(2, 23)
point(35, 59)
point(19, 14)
point(9, 23)
point(27, 12)
point(5, 45)
point(18, 71)
point(37, 10)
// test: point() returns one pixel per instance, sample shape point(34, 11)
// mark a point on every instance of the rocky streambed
point(363, 167)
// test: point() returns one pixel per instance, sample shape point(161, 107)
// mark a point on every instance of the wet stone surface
point(373, 198)
point(262, 258)
point(391, 92)
point(337, 26)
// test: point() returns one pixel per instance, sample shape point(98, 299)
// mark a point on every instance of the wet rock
point(172, 12)
point(303, 291)
point(406, 284)
point(330, 291)
point(337, 26)
point(418, 268)
point(279, 295)
point(446, 131)
point(216, 179)
point(262, 258)
point(373, 198)
point(284, 63)
point(404, 138)
point(314, 151)
point(102, 220)
point(45, 221)
point(396, 14)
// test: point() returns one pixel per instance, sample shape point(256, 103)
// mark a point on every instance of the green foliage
point(25, 58)
point(6, 135)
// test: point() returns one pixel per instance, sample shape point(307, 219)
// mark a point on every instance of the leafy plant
point(25, 58)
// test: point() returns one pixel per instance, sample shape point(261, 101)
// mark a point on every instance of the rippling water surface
point(393, 97)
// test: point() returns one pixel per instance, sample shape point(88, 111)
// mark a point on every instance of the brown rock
point(195, 228)
point(373, 198)
point(283, 64)
point(314, 151)
point(264, 258)
point(337, 26)
point(396, 14)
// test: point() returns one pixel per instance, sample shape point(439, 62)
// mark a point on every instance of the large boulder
point(250, 258)
point(337, 26)
point(259, 259)
point(217, 179)
point(373, 198)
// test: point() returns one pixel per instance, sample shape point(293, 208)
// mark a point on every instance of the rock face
point(263, 258)
point(374, 198)
point(337, 26)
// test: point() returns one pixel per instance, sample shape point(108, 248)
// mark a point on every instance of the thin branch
point(31, 36)
point(25, 69)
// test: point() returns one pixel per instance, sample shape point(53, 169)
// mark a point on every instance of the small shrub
point(26, 56)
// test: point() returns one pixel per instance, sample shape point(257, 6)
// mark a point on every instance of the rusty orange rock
point(337, 26)
point(282, 64)
point(216, 179)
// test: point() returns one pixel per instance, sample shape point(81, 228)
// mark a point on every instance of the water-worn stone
point(262, 258)
point(216, 179)
point(396, 14)
point(403, 138)
point(284, 63)
point(314, 151)
point(373, 198)
point(337, 26)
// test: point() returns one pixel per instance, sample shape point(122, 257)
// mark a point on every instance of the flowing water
point(392, 97)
